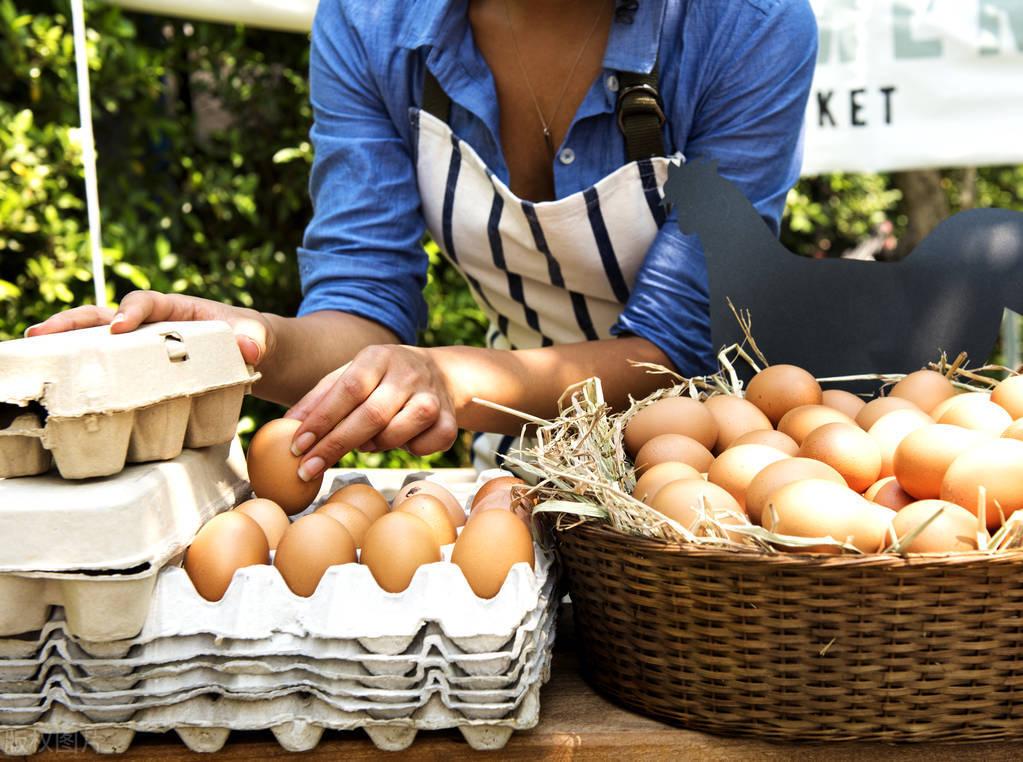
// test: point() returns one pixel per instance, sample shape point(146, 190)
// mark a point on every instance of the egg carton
point(119, 705)
point(204, 724)
point(433, 662)
point(332, 658)
point(19, 710)
point(90, 400)
point(95, 548)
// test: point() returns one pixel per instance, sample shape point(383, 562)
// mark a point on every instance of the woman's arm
point(392, 396)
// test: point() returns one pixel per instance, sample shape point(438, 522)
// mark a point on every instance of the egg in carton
point(95, 547)
point(90, 401)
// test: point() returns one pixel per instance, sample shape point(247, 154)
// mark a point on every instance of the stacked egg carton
point(350, 656)
point(86, 541)
point(89, 402)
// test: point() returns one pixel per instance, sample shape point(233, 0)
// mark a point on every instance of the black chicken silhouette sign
point(840, 317)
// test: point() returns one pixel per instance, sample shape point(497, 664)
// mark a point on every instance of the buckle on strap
point(638, 99)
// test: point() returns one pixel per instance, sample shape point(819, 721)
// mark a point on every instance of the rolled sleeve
point(750, 122)
point(362, 251)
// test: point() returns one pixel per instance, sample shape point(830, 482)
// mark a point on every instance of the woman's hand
point(388, 396)
point(251, 327)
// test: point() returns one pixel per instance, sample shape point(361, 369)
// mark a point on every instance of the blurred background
point(202, 134)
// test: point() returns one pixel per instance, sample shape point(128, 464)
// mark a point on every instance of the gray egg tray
point(91, 401)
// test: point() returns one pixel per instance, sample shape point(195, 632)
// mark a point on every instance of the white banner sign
point(900, 84)
point(908, 84)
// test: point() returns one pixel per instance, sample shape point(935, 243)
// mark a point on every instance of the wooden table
point(575, 723)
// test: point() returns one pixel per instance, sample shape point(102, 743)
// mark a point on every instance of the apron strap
point(435, 100)
point(640, 116)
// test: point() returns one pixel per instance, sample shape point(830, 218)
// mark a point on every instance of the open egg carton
point(95, 547)
point(350, 656)
point(90, 401)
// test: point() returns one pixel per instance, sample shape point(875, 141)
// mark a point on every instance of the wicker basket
point(798, 647)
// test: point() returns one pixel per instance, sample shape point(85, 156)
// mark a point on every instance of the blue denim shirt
point(734, 76)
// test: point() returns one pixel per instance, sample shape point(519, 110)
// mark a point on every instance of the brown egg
point(734, 417)
point(455, 511)
point(684, 501)
point(782, 442)
point(432, 511)
point(395, 546)
point(923, 457)
point(977, 414)
point(890, 429)
point(736, 467)
point(843, 401)
point(312, 545)
point(503, 501)
point(501, 484)
point(489, 547)
point(819, 508)
point(273, 470)
point(351, 518)
point(924, 388)
point(657, 476)
point(800, 421)
point(780, 473)
point(948, 404)
point(996, 465)
point(874, 410)
point(778, 389)
point(848, 449)
point(1009, 395)
point(226, 543)
point(1015, 430)
point(954, 529)
point(889, 493)
point(363, 497)
point(673, 448)
point(670, 415)
point(271, 518)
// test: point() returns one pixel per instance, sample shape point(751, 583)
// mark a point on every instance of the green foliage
point(202, 133)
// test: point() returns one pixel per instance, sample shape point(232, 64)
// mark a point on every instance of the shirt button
point(612, 83)
point(567, 156)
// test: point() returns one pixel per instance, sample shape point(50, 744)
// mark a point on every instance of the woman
point(508, 129)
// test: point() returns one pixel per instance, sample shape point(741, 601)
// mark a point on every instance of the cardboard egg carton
point(333, 660)
point(90, 401)
point(204, 724)
point(121, 705)
point(95, 548)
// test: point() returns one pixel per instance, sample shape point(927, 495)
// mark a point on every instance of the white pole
point(88, 151)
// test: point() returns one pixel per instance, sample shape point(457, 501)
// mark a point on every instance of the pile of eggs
point(356, 524)
point(917, 468)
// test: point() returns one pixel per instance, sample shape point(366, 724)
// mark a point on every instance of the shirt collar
point(631, 47)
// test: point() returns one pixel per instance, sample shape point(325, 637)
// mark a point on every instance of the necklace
point(544, 123)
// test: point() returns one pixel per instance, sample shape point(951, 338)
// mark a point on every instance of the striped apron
point(545, 273)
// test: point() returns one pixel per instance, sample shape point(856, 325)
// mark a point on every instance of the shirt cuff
point(669, 305)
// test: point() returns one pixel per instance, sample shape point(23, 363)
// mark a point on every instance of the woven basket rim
point(601, 531)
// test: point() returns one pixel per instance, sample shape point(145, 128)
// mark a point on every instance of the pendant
point(549, 140)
